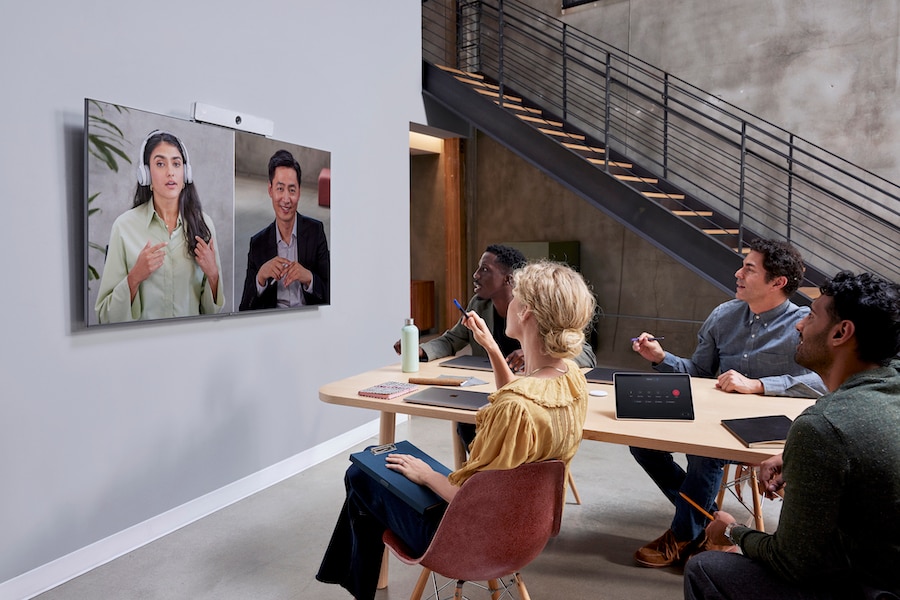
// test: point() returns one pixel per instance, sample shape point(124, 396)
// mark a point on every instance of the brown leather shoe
point(705, 545)
point(663, 551)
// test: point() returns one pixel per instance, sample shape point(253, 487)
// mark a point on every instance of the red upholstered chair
point(498, 522)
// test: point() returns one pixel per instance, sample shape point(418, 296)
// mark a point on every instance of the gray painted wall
point(103, 429)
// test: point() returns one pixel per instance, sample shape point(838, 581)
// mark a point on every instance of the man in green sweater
point(838, 535)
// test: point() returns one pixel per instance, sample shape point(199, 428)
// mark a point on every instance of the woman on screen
point(162, 259)
point(536, 417)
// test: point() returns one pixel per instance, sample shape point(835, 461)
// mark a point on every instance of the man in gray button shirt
point(747, 343)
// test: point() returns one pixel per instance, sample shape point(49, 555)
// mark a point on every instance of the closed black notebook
point(372, 461)
point(760, 432)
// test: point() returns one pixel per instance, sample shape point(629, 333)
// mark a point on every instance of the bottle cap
point(409, 321)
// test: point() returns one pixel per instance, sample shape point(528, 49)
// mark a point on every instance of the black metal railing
point(767, 180)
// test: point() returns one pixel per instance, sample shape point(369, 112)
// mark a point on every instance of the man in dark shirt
point(839, 527)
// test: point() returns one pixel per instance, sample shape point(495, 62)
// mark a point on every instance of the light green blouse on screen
point(179, 288)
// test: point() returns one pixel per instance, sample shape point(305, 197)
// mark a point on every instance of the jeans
point(700, 483)
point(354, 554)
point(466, 433)
point(729, 576)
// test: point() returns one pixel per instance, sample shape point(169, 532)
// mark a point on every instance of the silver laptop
point(449, 397)
point(467, 361)
point(654, 396)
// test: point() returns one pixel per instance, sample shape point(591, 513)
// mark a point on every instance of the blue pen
point(656, 339)
point(461, 309)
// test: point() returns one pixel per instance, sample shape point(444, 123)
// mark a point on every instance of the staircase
point(571, 133)
point(667, 217)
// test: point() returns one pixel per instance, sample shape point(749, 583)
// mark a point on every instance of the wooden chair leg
point(424, 576)
point(721, 497)
point(383, 574)
point(571, 481)
point(495, 588)
point(757, 499)
point(523, 592)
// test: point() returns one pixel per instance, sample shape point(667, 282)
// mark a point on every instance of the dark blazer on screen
point(312, 253)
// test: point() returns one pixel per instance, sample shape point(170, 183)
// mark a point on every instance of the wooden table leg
point(386, 434)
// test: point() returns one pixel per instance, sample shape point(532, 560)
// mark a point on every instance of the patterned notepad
point(389, 389)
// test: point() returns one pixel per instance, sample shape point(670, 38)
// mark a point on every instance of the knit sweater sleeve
point(806, 545)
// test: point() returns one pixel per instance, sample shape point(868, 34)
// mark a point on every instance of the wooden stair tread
point(513, 106)
point(531, 119)
point(812, 292)
point(612, 163)
point(494, 94)
point(693, 213)
point(561, 133)
point(584, 148)
point(664, 195)
point(636, 178)
point(457, 71)
point(472, 82)
point(720, 231)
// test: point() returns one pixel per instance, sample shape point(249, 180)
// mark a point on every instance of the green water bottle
point(409, 347)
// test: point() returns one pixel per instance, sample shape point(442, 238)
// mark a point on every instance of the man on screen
point(288, 263)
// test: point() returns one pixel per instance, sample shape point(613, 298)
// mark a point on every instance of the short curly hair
point(872, 303)
point(561, 302)
point(507, 256)
point(781, 259)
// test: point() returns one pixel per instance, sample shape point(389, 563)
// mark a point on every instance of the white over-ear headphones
point(143, 170)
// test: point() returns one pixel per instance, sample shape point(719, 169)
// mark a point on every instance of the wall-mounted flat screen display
point(192, 220)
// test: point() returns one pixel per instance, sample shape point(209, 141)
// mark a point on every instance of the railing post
point(500, 26)
point(741, 192)
point(606, 112)
point(665, 164)
point(468, 35)
point(565, 71)
point(790, 186)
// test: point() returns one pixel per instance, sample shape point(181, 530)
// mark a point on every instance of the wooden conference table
point(705, 436)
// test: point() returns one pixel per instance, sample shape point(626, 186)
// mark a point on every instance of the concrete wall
point(825, 70)
point(637, 286)
point(106, 435)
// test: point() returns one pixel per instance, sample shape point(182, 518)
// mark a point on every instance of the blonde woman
point(538, 416)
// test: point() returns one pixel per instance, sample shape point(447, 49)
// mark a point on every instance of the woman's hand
point(205, 255)
point(503, 373)
point(149, 259)
point(480, 331)
point(413, 468)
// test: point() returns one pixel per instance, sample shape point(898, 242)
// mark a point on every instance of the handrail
point(770, 181)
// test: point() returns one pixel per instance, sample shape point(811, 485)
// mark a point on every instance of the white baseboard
point(76, 563)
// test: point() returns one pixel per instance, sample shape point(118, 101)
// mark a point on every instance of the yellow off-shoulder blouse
point(528, 420)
